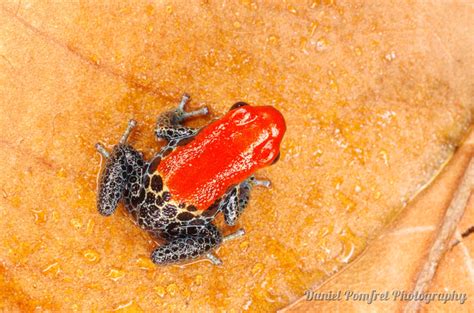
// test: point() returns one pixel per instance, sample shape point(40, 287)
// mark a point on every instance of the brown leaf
point(403, 258)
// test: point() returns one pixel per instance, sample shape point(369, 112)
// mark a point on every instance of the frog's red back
point(223, 154)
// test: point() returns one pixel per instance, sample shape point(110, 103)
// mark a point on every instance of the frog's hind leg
point(190, 247)
point(120, 164)
point(236, 199)
point(169, 124)
point(123, 140)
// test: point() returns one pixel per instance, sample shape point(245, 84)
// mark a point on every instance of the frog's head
point(223, 154)
point(260, 130)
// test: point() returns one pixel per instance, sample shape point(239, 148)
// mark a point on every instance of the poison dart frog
point(199, 173)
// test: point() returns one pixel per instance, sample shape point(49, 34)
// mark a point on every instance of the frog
point(199, 173)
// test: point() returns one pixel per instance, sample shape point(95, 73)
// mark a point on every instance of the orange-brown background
point(376, 97)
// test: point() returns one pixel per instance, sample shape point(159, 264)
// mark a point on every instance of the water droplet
point(172, 289)
point(337, 181)
point(90, 226)
point(40, 216)
point(15, 201)
point(322, 44)
point(52, 268)
point(312, 28)
point(76, 223)
point(273, 39)
point(128, 306)
point(377, 195)
point(116, 274)
point(326, 230)
point(169, 9)
point(145, 263)
point(329, 2)
point(250, 4)
point(150, 10)
point(358, 51)
point(79, 273)
point(390, 56)
point(198, 280)
point(348, 204)
point(55, 216)
point(383, 153)
point(257, 268)
point(244, 245)
point(333, 85)
point(348, 239)
point(160, 291)
point(292, 9)
point(95, 59)
point(61, 173)
point(91, 256)
point(303, 42)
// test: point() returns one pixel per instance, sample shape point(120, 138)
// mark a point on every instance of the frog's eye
point(238, 105)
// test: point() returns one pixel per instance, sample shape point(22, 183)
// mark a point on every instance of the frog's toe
point(213, 258)
point(260, 182)
point(201, 111)
point(101, 149)
point(131, 125)
point(239, 233)
point(184, 99)
point(183, 115)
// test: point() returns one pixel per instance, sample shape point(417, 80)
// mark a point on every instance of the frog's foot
point(169, 124)
point(214, 258)
point(182, 115)
point(123, 140)
point(121, 163)
point(191, 247)
point(179, 249)
point(236, 199)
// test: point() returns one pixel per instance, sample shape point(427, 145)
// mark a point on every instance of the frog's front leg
point(236, 199)
point(188, 247)
point(119, 166)
point(169, 124)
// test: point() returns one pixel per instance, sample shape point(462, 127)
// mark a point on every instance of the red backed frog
point(197, 174)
